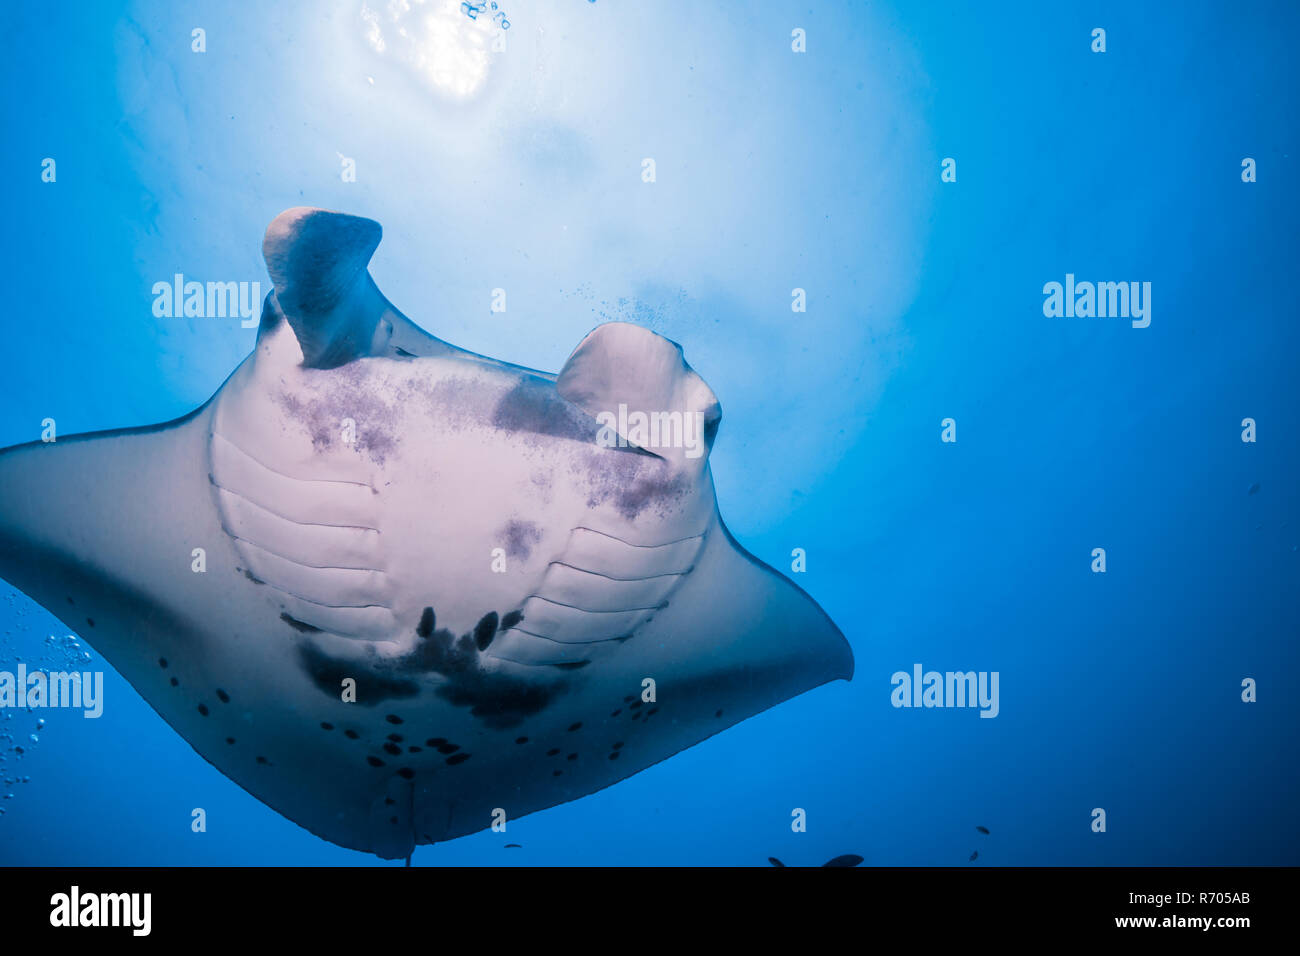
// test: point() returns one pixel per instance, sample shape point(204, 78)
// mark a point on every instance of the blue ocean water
point(519, 165)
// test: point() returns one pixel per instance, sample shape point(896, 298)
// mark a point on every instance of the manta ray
point(395, 589)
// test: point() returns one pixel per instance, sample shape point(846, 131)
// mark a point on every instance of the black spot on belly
point(393, 749)
point(392, 819)
point(298, 625)
point(521, 740)
point(395, 738)
point(652, 711)
point(499, 698)
point(577, 726)
point(435, 742)
point(617, 712)
point(230, 740)
point(90, 621)
point(553, 751)
point(351, 734)
point(374, 761)
point(327, 673)
point(389, 801)
point(393, 719)
point(162, 662)
point(511, 619)
point(326, 726)
point(718, 714)
point(571, 757)
point(203, 709)
point(635, 704)
point(485, 630)
point(223, 696)
point(263, 760)
point(406, 773)
point(556, 773)
point(614, 755)
point(629, 698)
point(446, 748)
point(457, 758)
point(175, 682)
point(619, 745)
point(414, 750)
point(519, 538)
point(427, 623)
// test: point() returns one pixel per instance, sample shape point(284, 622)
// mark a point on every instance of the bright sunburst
point(451, 51)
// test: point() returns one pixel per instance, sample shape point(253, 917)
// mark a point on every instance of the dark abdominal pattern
point(499, 700)
point(328, 673)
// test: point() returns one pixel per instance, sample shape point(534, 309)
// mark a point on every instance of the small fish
point(515, 845)
point(849, 859)
point(974, 855)
point(775, 862)
point(1253, 488)
point(983, 830)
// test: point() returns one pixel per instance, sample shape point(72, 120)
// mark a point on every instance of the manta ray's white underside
point(445, 533)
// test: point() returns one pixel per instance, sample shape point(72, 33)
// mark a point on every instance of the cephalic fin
point(637, 383)
point(317, 261)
